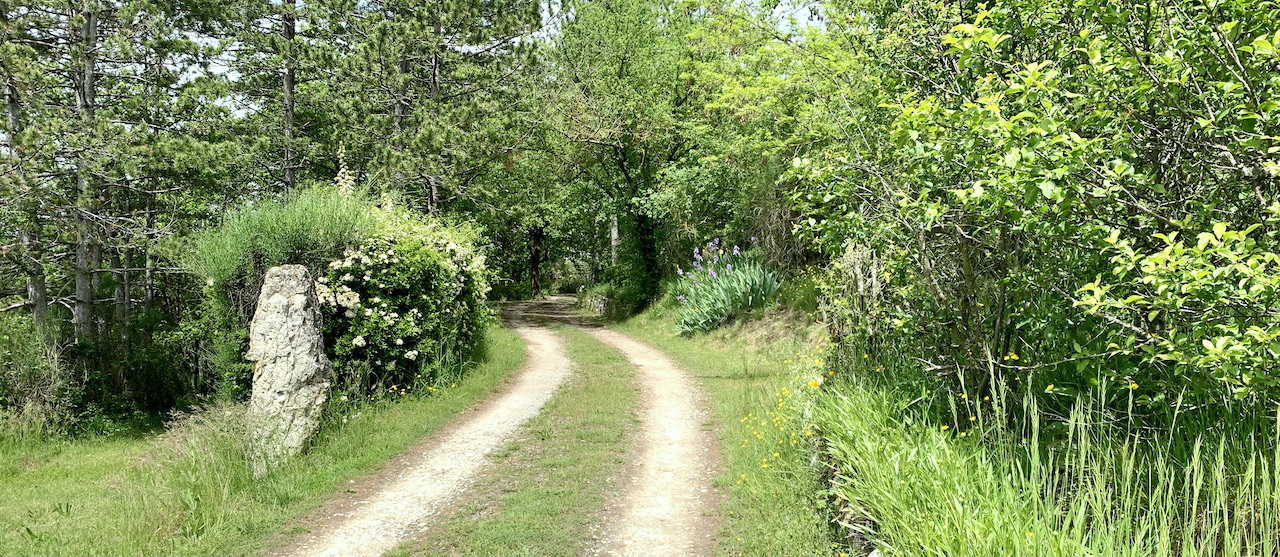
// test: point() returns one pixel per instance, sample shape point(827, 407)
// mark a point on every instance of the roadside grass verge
point(547, 487)
point(187, 491)
point(776, 501)
point(917, 484)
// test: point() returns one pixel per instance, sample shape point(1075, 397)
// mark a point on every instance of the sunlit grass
point(188, 491)
point(548, 486)
point(917, 485)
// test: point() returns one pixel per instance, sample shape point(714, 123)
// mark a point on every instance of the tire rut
point(668, 508)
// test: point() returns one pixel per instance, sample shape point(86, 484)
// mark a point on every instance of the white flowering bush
point(403, 303)
point(401, 295)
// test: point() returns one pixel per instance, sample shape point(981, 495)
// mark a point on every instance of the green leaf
point(1262, 47)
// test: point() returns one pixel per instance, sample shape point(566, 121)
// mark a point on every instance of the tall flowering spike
point(346, 180)
point(736, 251)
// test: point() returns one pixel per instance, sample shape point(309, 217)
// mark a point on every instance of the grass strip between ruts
point(547, 488)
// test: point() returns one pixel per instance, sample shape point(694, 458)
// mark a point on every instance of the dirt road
point(414, 487)
point(667, 507)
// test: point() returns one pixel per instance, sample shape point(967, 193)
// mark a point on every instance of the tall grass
point(913, 484)
point(35, 391)
point(310, 228)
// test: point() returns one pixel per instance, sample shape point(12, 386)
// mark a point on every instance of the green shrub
point(722, 285)
point(568, 276)
point(403, 303)
point(232, 259)
point(35, 393)
point(402, 296)
point(612, 300)
point(800, 292)
point(309, 229)
point(1210, 310)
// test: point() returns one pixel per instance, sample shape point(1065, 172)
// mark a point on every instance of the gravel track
point(414, 488)
point(667, 507)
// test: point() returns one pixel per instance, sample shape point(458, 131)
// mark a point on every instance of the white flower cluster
point(343, 296)
point(386, 318)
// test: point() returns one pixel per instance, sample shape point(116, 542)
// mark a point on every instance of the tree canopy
point(1091, 181)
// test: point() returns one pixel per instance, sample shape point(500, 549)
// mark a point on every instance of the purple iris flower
point(680, 271)
point(682, 299)
point(712, 273)
point(736, 251)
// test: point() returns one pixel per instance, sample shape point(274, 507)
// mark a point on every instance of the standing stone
point(290, 373)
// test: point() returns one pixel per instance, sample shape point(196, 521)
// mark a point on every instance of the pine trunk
point(85, 79)
point(288, 31)
point(29, 232)
point(149, 282)
point(120, 295)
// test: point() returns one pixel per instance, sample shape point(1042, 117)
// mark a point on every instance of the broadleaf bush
point(401, 294)
point(403, 303)
point(1205, 311)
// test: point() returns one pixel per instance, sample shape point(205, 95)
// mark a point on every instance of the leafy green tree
point(999, 148)
point(622, 106)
